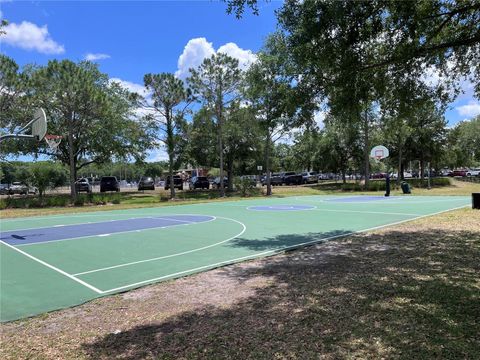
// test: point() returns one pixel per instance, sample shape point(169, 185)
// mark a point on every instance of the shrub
point(244, 186)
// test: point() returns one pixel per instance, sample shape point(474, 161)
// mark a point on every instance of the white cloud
point(198, 49)
point(94, 57)
point(193, 54)
point(132, 87)
point(29, 36)
point(471, 109)
point(245, 57)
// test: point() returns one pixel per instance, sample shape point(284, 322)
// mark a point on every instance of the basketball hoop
point(379, 152)
point(53, 141)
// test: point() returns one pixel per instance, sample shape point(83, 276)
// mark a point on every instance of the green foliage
point(244, 186)
point(94, 115)
point(170, 103)
point(216, 82)
point(46, 175)
point(463, 147)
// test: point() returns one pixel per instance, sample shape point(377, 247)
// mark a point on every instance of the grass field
point(406, 291)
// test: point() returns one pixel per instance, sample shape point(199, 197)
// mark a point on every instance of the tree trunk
point(72, 158)
point(366, 152)
point(267, 163)
point(400, 170)
point(230, 174)
point(422, 167)
point(170, 149)
point(219, 108)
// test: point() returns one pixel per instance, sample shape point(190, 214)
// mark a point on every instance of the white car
point(473, 172)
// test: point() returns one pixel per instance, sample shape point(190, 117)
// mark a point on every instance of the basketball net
point(53, 141)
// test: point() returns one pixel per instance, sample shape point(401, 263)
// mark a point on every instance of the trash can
point(475, 200)
point(405, 187)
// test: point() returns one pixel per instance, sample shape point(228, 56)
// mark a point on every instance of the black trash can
point(475, 200)
point(405, 187)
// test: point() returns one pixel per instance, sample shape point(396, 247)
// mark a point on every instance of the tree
point(216, 82)
point(202, 139)
point(463, 147)
point(94, 116)
point(14, 105)
point(47, 175)
point(241, 138)
point(170, 103)
point(269, 89)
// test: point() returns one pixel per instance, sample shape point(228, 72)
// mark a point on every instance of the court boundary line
point(250, 208)
point(275, 251)
point(60, 271)
point(120, 232)
point(168, 256)
point(368, 212)
point(394, 200)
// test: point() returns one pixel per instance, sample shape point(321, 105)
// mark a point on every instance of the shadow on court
point(285, 241)
point(396, 294)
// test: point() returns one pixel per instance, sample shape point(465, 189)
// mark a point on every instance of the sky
point(130, 39)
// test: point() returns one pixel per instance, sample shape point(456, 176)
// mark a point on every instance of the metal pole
point(20, 136)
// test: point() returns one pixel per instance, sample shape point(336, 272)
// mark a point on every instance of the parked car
point(378, 176)
point(177, 182)
point(146, 183)
point(406, 175)
point(216, 182)
point(473, 172)
point(18, 188)
point(445, 172)
point(275, 179)
point(83, 185)
point(199, 182)
point(310, 177)
point(4, 189)
point(459, 172)
point(109, 183)
point(292, 178)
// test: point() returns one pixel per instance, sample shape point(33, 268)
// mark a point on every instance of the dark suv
point(275, 179)
point(83, 185)
point(177, 182)
point(146, 183)
point(109, 183)
point(199, 182)
point(291, 178)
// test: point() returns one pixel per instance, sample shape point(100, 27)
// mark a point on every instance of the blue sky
point(130, 39)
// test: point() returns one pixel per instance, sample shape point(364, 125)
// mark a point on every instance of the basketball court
point(54, 262)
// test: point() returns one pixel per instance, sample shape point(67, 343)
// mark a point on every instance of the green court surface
point(102, 253)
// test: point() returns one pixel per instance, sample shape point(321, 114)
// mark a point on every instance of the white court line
point(120, 232)
point(169, 256)
point(272, 208)
point(394, 200)
point(232, 261)
point(72, 277)
point(369, 212)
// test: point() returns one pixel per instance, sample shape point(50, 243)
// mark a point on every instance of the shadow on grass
point(394, 295)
